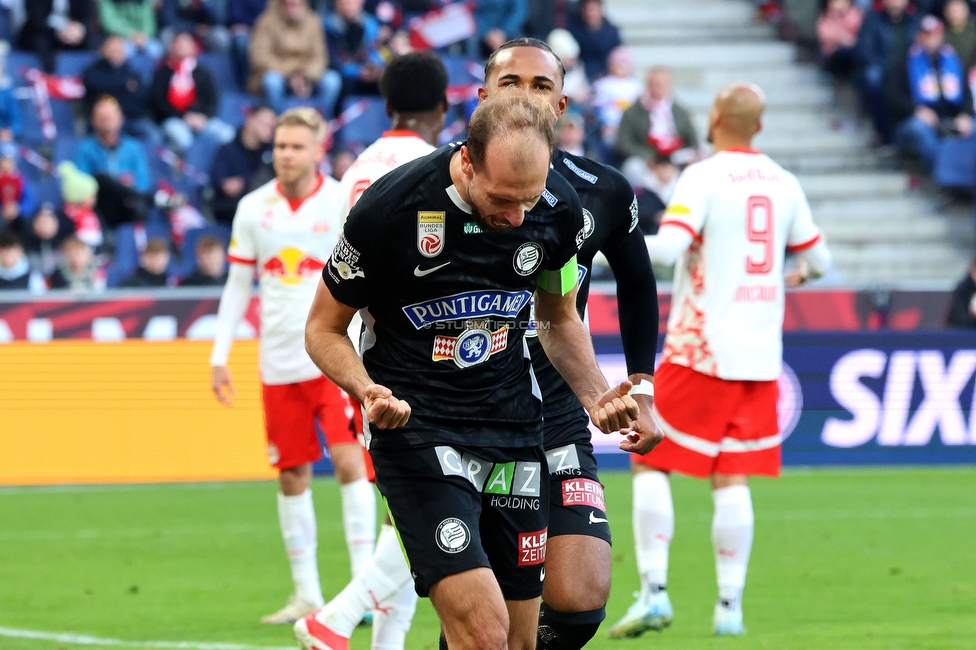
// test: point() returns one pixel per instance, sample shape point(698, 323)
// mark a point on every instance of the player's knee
point(478, 630)
point(567, 630)
point(489, 635)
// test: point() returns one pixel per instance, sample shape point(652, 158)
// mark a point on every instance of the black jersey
point(446, 304)
point(610, 226)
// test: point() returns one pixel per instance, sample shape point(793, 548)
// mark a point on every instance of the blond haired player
point(286, 230)
point(730, 221)
point(414, 87)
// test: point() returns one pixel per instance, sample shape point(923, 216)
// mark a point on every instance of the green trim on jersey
point(559, 282)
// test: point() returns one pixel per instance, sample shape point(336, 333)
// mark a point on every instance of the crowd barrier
point(116, 388)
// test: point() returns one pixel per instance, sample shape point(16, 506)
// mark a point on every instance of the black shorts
point(460, 508)
point(576, 502)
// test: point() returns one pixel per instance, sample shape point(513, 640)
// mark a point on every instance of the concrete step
point(852, 231)
point(891, 208)
point(887, 263)
point(680, 34)
point(769, 78)
point(820, 187)
point(717, 56)
point(644, 12)
point(802, 97)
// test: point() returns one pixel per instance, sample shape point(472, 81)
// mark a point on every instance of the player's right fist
point(383, 409)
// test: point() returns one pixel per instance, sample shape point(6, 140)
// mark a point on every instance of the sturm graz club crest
point(452, 535)
point(528, 258)
point(589, 225)
point(430, 233)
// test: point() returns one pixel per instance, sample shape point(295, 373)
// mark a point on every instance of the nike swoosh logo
point(422, 272)
point(542, 577)
point(597, 520)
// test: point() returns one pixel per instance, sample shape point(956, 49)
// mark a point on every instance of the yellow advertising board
point(126, 412)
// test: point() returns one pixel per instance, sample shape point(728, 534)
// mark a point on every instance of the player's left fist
point(383, 410)
point(616, 410)
point(645, 434)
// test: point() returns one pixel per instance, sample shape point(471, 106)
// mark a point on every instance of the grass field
point(843, 559)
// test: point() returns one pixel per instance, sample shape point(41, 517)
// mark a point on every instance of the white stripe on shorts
point(712, 449)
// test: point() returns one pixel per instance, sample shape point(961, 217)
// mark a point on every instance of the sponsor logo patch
point(474, 346)
point(532, 547)
point(528, 258)
point(292, 266)
point(549, 198)
point(470, 304)
point(343, 265)
point(430, 233)
point(517, 478)
point(634, 218)
point(563, 461)
point(586, 176)
point(472, 228)
point(452, 535)
point(583, 492)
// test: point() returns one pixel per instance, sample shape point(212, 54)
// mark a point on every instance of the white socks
point(359, 521)
point(391, 620)
point(378, 583)
point(653, 529)
point(297, 518)
point(732, 528)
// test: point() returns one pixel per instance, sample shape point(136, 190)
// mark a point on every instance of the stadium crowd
point(914, 65)
point(130, 129)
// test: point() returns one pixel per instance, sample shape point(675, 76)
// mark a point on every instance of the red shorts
point(290, 413)
point(714, 426)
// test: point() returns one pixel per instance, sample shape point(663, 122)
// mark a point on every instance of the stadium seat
point(47, 190)
point(461, 70)
point(74, 63)
point(144, 65)
point(368, 127)
point(233, 105)
point(17, 60)
point(221, 68)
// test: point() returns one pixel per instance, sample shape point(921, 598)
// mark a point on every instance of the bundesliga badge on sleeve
point(430, 233)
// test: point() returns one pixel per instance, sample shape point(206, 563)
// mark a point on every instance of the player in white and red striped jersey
point(729, 224)
point(414, 87)
point(286, 230)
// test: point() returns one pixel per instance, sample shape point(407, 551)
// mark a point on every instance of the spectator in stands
point(241, 16)
point(962, 307)
point(10, 122)
point(653, 179)
point(78, 270)
point(960, 31)
point(201, 17)
point(881, 47)
point(15, 270)
point(571, 133)
point(16, 196)
point(113, 75)
point(499, 21)
point(153, 261)
point(133, 20)
point(929, 97)
point(575, 84)
point(837, 30)
point(351, 35)
point(118, 163)
point(655, 123)
point(288, 56)
point(596, 35)
point(237, 161)
point(211, 268)
point(54, 25)
point(43, 239)
point(183, 97)
point(615, 92)
point(341, 162)
point(80, 193)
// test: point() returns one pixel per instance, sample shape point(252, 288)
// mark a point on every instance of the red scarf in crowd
point(182, 89)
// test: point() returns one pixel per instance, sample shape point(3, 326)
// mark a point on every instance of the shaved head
point(737, 112)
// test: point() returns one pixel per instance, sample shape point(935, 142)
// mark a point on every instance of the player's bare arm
point(568, 346)
point(328, 345)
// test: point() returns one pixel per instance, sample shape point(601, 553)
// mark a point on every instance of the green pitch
point(842, 559)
